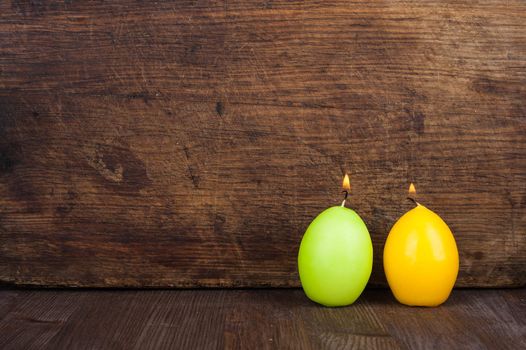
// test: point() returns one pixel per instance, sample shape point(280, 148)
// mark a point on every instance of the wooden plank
point(36, 318)
point(8, 301)
point(190, 143)
point(485, 319)
point(262, 319)
point(144, 320)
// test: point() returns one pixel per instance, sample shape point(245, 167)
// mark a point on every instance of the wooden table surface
point(255, 319)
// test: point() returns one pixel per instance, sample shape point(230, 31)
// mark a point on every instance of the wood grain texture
point(257, 319)
point(190, 143)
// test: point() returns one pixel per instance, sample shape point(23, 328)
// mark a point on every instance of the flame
point(346, 184)
point(412, 190)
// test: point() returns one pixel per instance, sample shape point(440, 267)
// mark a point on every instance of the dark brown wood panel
point(190, 143)
point(257, 319)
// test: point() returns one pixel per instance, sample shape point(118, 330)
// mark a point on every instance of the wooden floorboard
point(255, 319)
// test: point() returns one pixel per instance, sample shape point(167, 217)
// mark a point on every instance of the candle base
point(421, 259)
point(335, 257)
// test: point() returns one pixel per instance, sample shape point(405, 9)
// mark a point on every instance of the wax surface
point(421, 258)
point(335, 257)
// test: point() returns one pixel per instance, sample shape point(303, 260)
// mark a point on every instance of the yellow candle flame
point(346, 184)
point(412, 190)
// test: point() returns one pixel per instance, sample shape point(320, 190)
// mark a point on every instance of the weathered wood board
point(190, 143)
point(255, 319)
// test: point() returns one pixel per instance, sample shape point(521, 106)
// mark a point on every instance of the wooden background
point(190, 143)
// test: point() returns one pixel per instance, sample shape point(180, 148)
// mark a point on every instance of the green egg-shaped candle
point(335, 258)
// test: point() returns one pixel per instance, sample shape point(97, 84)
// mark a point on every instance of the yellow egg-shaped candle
point(421, 258)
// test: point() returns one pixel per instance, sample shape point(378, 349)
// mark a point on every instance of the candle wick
point(413, 200)
point(345, 198)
